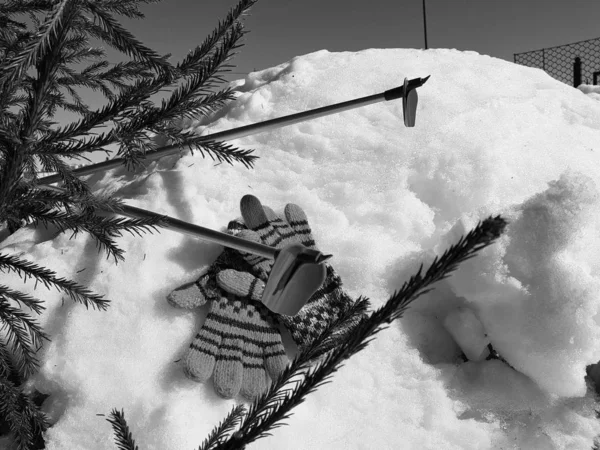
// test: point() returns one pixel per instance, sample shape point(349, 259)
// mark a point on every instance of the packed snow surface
point(491, 138)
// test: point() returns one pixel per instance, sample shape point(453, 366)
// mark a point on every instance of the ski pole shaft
point(207, 234)
point(248, 130)
point(197, 231)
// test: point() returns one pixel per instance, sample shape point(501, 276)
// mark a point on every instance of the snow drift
point(491, 137)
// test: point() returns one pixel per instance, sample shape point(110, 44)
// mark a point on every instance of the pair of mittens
point(266, 227)
point(239, 342)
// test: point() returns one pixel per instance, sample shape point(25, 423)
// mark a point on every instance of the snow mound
point(491, 137)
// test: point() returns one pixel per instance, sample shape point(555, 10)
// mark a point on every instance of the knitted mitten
point(324, 306)
point(239, 343)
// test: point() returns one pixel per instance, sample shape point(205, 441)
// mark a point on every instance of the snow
point(491, 137)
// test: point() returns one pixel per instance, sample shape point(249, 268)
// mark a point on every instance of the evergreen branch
point(104, 230)
point(179, 100)
point(262, 407)
point(7, 368)
point(208, 104)
point(49, 198)
point(222, 152)
point(20, 297)
point(110, 111)
point(76, 107)
point(130, 70)
point(93, 68)
point(78, 54)
point(26, 421)
point(19, 326)
point(15, 100)
point(26, 269)
point(176, 106)
point(32, 6)
point(51, 163)
point(7, 23)
point(53, 26)
point(13, 414)
point(131, 97)
point(76, 42)
point(124, 437)
point(219, 433)
point(196, 57)
point(274, 406)
point(77, 98)
point(124, 8)
point(110, 31)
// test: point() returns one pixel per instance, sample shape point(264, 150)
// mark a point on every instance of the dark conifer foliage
point(36, 79)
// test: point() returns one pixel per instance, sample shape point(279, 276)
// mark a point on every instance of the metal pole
point(247, 130)
point(224, 239)
point(577, 72)
point(196, 231)
point(237, 133)
point(425, 24)
point(544, 60)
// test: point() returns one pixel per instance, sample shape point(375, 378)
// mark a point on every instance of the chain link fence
point(572, 64)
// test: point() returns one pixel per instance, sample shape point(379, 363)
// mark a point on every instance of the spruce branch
point(208, 104)
point(143, 89)
point(104, 230)
point(48, 278)
point(219, 433)
point(32, 6)
point(180, 99)
point(26, 421)
point(7, 367)
point(14, 70)
point(220, 151)
point(111, 32)
point(196, 58)
point(131, 97)
point(23, 334)
point(12, 412)
point(124, 8)
point(21, 298)
point(268, 411)
point(124, 438)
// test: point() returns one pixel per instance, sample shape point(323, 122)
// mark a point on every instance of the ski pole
point(218, 237)
point(407, 92)
point(297, 271)
point(409, 97)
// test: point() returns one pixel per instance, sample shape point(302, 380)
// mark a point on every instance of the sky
point(491, 138)
point(282, 29)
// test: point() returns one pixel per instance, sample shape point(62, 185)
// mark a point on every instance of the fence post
point(577, 72)
point(544, 60)
point(596, 74)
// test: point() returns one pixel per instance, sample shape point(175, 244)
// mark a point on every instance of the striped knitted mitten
point(325, 305)
point(239, 343)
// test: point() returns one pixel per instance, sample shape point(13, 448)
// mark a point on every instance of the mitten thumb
point(242, 284)
point(190, 295)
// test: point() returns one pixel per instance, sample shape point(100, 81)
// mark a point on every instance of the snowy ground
point(491, 138)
